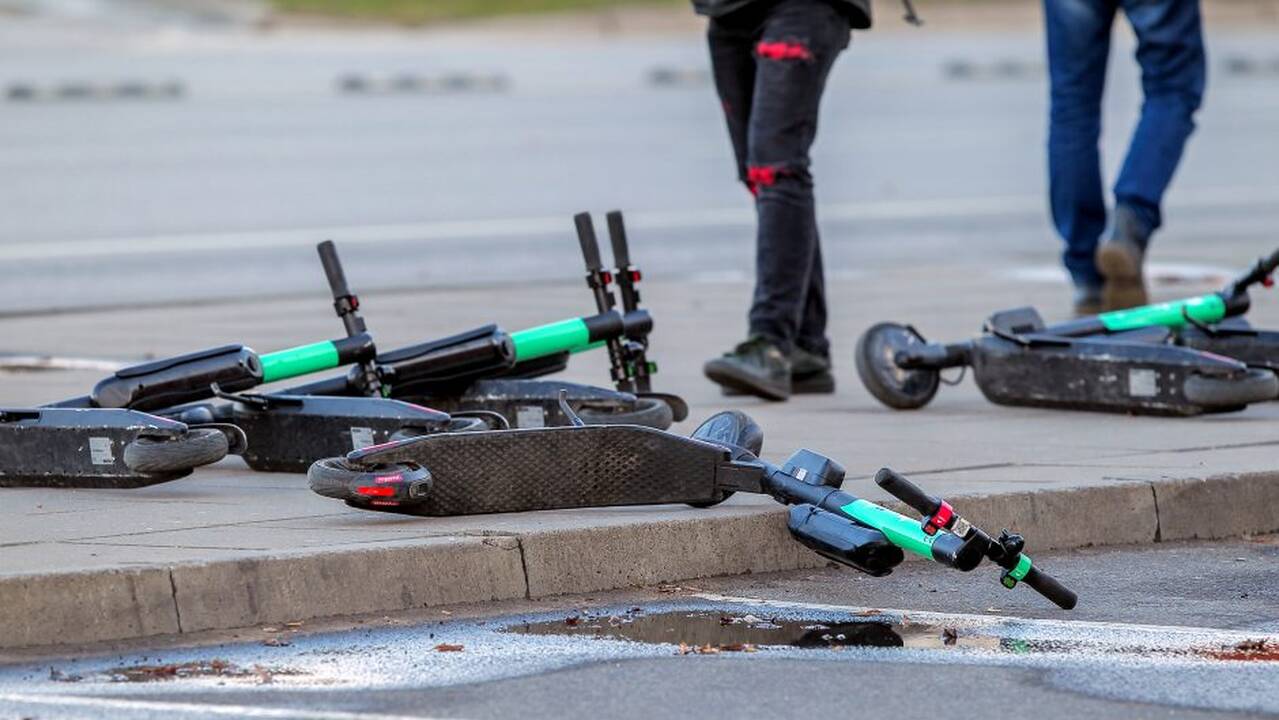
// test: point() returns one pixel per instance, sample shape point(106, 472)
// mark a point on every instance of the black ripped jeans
point(770, 62)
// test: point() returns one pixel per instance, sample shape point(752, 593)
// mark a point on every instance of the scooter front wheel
point(394, 484)
point(199, 446)
point(1222, 394)
point(894, 386)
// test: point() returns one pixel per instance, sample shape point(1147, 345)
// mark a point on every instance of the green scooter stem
point(1231, 301)
point(306, 359)
point(577, 334)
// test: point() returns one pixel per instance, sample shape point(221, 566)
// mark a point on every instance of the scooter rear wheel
point(1222, 394)
point(648, 412)
point(199, 446)
point(894, 386)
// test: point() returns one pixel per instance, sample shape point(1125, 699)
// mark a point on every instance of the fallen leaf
point(572, 621)
point(448, 647)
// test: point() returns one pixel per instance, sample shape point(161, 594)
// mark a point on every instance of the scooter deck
point(554, 468)
point(77, 448)
point(298, 430)
point(1256, 348)
point(1100, 374)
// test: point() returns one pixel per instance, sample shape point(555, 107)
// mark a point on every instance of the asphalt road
point(222, 191)
point(1157, 634)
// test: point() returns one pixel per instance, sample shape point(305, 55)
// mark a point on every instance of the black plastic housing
point(844, 541)
point(178, 380)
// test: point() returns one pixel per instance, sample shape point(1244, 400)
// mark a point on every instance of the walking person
point(1107, 274)
point(770, 60)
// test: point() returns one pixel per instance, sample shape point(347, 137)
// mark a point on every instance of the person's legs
point(1170, 50)
point(795, 52)
point(793, 49)
point(1078, 33)
point(732, 44)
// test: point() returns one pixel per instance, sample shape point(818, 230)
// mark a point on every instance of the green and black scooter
point(610, 465)
point(489, 372)
point(279, 431)
point(1183, 357)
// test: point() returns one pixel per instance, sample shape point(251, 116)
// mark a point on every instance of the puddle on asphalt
point(712, 631)
point(219, 669)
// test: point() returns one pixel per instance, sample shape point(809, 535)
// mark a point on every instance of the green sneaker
point(756, 367)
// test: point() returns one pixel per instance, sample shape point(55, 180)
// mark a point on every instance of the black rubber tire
point(199, 446)
point(648, 412)
point(897, 388)
point(330, 477)
point(1230, 393)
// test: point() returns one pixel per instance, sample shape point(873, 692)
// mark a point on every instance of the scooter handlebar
point(333, 269)
point(1046, 585)
point(906, 491)
point(617, 235)
point(590, 245)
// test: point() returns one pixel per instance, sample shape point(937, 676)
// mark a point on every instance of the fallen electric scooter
point(609, 465)
point(490, 373)
point(283, 432)
point(1175, 358)
point(98, 448)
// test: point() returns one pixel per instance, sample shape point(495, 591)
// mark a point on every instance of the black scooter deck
point(549, 468)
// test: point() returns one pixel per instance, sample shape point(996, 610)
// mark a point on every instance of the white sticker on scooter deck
point(100, 451)
point(529, 416)
point(1143, 382)
point(362, 437)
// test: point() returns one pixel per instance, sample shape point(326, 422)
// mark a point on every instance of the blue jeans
point(1170, 51)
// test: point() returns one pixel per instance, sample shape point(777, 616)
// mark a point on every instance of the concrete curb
point(77, 608)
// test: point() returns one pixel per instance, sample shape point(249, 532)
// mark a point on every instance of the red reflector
point(608, 277)
point(635, 276)
point(372, 491)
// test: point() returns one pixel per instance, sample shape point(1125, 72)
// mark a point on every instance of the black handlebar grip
point(586, 236)
point(1268, 264)
point(333, 269)
point(1046, 585)
point(617, 234)
point(906, 491)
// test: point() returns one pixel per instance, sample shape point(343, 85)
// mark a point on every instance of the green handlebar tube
point(300, 360)
point(899, 529)
point(569, 335)
point(1204, 309)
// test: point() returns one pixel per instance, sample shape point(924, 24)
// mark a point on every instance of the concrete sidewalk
point(229, 548)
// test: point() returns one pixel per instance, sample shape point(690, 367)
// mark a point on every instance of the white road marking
point(522, 228)
point(204, 710)
point(53, 362)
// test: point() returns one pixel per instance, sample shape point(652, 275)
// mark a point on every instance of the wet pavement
point(742, 647)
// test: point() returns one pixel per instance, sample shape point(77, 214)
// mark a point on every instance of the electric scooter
point(608, 465)
point(283, 432)
point(488, 372)
point(1184, 357)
